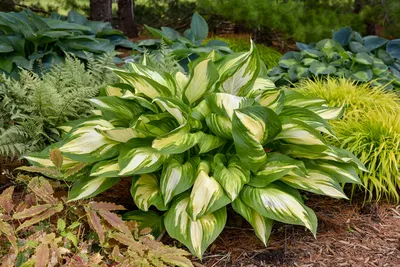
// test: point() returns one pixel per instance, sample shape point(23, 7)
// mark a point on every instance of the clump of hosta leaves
point(44, 230)
point(194, 144)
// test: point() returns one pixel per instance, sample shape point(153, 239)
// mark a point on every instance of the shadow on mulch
point(349, 234)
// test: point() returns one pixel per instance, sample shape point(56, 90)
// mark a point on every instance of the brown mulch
point(348, 235)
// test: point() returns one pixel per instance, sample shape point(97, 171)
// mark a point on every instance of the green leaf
point(220, 125)
point(364, 59)
point(146, 219)
point(208, 142)
point(328, 113)
point(290, 59)
point(198, 234)
point(276, 202)
point(231, 174)
point(199, 27)
point(252, 127)
point(273, 99)
point(207, 194)
point(146, 192)
point(61, 224)
point(120, 108)
point(343, 36)
point(262, 225)
point(203, 77)
point(278, 165)
point(106, 168)
point(5, 48)
point(225, 104)
point(341, 172)
point(177, 177)
point(374, 42)
point(356, 47)
point(393, 48)
point(362, 75)
point(174, 107)
point(319, 68)
point(90, 187)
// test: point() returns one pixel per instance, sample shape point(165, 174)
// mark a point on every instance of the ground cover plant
point(370, 129)
point(347, 54)
point(194, 144)
point(45, 230)
point(34, 42)
point(32, 107)
point(184, 48)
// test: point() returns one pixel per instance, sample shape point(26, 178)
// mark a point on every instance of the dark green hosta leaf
point(364, 59)
point(290, 59)
point(278, 165)
point(302, 46)
point(177, 177)
point(75, 17)
point(146, 219)
point(356, 47)
point(318, 68)
point(199, 27)
point(362, 74)
point(309, 61)
point(5, 48)
point(343, 36)
point(262, 225)
point(231, 174)
point(357, 37)
point(207, 194)
point(277, 202)
point(373, 42)
point(146, 192)
point(252, 127)
point(297, 72)
point(393, 48)
point(313, 53)
point(89, 187)
point(198, 234)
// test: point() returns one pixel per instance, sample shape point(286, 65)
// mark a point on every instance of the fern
point(32, 107)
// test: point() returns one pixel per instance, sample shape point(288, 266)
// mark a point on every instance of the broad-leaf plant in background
point(347, 54)
point(194, 144)
point(184, 48)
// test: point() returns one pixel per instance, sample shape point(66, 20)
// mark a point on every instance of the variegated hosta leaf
point(275, 201)
point(316, 182)
point(208, 142)
point(201, 111)
point(293, 98)
point(260, 85)
point(307, 117)
point(177, 177)
point(220, 125)
point(120, 108)
point(252, 127)
point(341, 172)
point(231, 174)
point(297, 132)
point(85, 144)
point(207, 194)
point(278, 165)
point(106, 168)
point(143, 85)
point(177, 141)
point(262, 225)
point(198, 234)
point(121, 135)
point(175, 107)
point(142, 101)
point(153, 125)
point(273, 99)
point(181, 81)
point(328, 113)
point(146, 191)
point(238, 73)
point(134, 159)
point(89, 187)
point(225, 104)
point(203, 77)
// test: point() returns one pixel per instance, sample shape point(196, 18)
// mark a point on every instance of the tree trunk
point(126, 17)
point(101, 10)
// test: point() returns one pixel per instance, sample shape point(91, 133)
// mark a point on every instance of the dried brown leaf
point(43, 216)
point(56, 157)
point(176, 260)
point(45, 171)
point(42, 189)
point(95, 259)
point(127, 240)
point(6, 199)
point(42, 255)
point(105, 206)
point(115, 222)
point(95, 224)
point(116, 255)
point(9, 260)
point(8, 231)
point(32, 211)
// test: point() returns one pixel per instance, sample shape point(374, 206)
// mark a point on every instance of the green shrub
point(32, 107)
point(33, 42)
point(44, 230)
point(370, 129)
point(196, 144)
point(362, 59)
point(268, 55)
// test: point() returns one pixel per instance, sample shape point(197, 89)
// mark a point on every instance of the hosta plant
point(194, 144)
point(45, 230)
point(347, 54)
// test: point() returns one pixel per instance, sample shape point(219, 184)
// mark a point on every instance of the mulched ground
point(348, 235)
